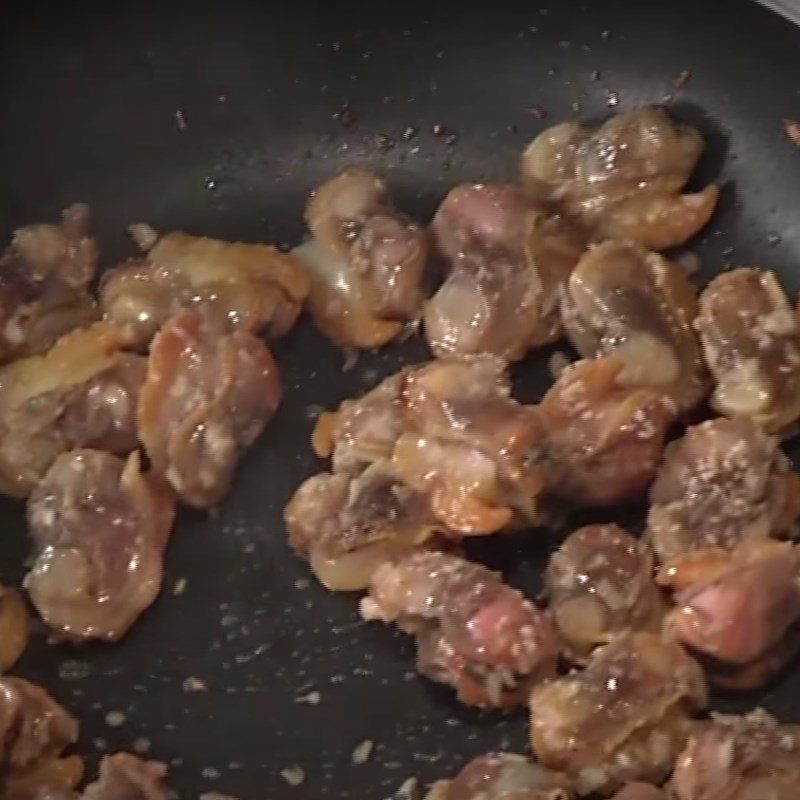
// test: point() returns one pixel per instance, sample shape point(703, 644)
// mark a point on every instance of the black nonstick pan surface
point(219, 120)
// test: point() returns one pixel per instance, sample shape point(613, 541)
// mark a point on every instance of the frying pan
point(219, 119)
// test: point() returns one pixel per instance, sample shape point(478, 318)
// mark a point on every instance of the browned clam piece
point(348, 525)
point(600, 583)
point(81, 393)
point(242, 287)
point(751, 340)
point(724, 482)
point(468, 444)
point(99, 527)
point(506, 262)
point(634, 304)
point(34, 731)
point(502, 776)
point(362, 430)
point(752, 757)
point(207, 396)
point(603, 440)
point(365, 260)
point(437, 450)
point(43, 278)
point(473, 632)
point(624, 179)
point(738, 609)
point(13, 627)
point(624, 718)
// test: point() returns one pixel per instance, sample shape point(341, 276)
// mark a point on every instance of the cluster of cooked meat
point(175, 370)
point(751, 757)
point(77, 401)
point(34, 732)
point(437, 453)
point(441, 451)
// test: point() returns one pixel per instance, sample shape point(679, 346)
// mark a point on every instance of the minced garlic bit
point(115, 718)
point(408, 789)
point(195, 684)
point(362, 752)
point(558, 362)
point(312, 698)
point(293, 775)
point(180, 587)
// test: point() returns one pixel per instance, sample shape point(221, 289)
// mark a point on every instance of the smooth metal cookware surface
point(219, 120)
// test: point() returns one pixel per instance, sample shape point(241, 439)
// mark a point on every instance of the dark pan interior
point(218, 120)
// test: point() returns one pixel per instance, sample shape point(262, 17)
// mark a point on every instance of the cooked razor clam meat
point(725, 481)
point(634, 304)
point(751, 757)
point(624, 718)
point(347, 526)
point(600, 584)
point(502, 776)
point(82, 393)
point(469, 444)
point(99, 526)
point(506, 262)
point(603, 440)
point(624, 179)
point(206, 398)
point(450, 430)
point(751, 340)
point(242, 287)
point(737, 607)
point(43, 278)
point(473, 632)
point(365, 259)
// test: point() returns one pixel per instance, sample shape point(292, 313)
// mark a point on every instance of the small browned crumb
point(536, 111)
point(792, 129)
point(383, 143)
point(683, 77)
point(438, 129)
point(180, 587)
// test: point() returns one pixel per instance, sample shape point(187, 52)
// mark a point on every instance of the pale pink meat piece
point(473, 632)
